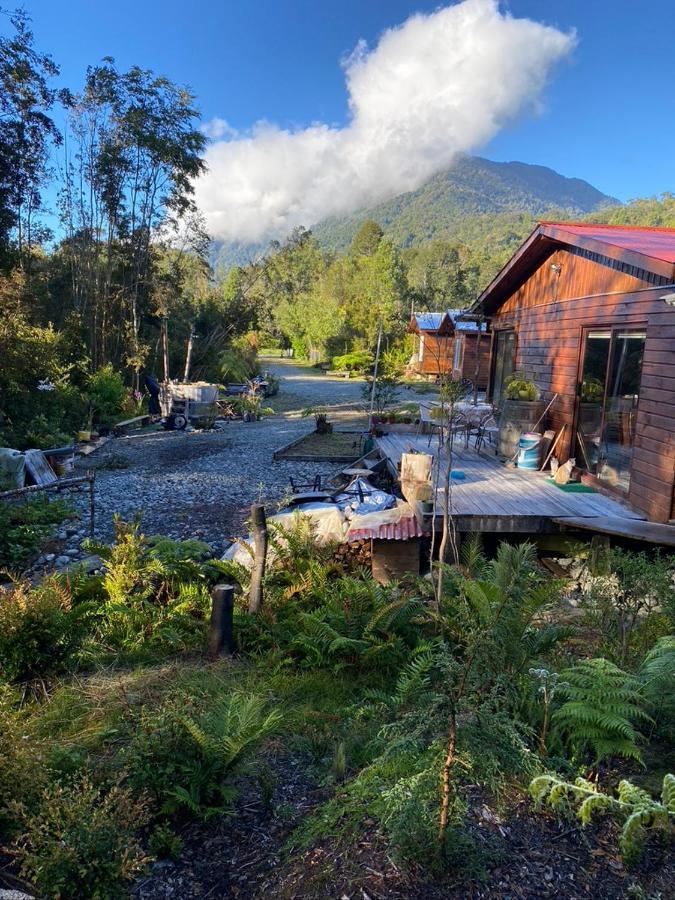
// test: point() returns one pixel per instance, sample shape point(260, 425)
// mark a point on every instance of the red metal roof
point(658, 243)
point(403, 530)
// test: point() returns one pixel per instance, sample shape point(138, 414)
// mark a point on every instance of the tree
point(130, 167)
point(367, 239)
point(26, 134)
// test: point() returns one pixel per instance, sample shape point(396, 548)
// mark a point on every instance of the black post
point(221, 636)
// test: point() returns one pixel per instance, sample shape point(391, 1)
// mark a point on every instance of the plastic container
point(529, 451)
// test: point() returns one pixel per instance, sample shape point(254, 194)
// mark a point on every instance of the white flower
point(46, 385)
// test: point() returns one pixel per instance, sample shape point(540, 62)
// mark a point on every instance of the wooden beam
point(650, 532)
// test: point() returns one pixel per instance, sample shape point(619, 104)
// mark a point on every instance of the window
point(503, 362)
point(458, 354)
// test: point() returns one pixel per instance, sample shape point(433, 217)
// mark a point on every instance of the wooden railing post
point(259, 528)
point(220, 637)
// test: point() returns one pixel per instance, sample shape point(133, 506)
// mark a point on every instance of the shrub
point(82, 842)
point(165, 844)
point(360, 361)
point(602, 705)
point(24, 528)
point(23, 774)
point(38, 631)
point(631, 603)
point(107, 394)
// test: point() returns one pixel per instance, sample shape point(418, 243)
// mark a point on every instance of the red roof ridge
point(596, 225)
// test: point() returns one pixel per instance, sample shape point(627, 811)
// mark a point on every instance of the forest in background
point(101, 242)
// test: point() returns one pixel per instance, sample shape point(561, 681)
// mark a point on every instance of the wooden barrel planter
point(516, 418)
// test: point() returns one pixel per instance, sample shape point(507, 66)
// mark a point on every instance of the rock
point(72, 552)
point(61, 561)
point(49, 557)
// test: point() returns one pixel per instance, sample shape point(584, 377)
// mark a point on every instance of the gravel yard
point(202, 484)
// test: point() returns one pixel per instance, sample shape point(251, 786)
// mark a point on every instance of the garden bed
point(338, 446)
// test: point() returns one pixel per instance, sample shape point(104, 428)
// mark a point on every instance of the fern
point(638, 811)
point(603, 703)
point(657, 675)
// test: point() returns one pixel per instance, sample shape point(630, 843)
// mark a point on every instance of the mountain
point(450, 205)
point(473, 187)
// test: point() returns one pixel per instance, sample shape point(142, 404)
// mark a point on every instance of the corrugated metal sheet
point(403, 530)
point(462, 325)
point(429, 321)
point(659, 243)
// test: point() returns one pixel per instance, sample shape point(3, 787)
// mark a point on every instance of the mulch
point(529, 855)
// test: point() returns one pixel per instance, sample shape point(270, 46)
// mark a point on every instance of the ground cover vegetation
point(406, 709)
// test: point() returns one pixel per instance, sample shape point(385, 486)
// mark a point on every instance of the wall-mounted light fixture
point(669, 298)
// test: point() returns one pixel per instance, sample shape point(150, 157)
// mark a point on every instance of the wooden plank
point(136, 422)
point(38, 468)
point(651, 532)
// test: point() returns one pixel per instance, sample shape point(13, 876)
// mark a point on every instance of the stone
point(49, 557)
point(62, 561)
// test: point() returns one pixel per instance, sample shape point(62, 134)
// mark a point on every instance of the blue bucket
point(529, 451)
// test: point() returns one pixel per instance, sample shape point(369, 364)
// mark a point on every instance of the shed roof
point(428, 321)
point(651, 249)
point(443, 322)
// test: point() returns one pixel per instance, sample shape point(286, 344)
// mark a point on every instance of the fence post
point(259, 528)
point(220, 637)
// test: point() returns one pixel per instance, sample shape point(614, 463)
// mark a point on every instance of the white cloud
point(433, 87)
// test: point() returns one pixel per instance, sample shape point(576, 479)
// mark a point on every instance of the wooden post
point(165, 347)
point(220, 637)
point(188, 357)
point(259, 528)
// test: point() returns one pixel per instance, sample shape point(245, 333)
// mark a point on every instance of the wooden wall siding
point(437, 358)
point(548, 345)
point(469, 360)
point(579, 277)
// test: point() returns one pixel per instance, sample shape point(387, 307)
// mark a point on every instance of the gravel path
point(202, 484)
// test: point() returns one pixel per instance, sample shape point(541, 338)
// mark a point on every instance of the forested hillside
point(444, 206)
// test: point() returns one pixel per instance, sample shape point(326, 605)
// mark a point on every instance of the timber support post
point(259, 528)
point(221, 636)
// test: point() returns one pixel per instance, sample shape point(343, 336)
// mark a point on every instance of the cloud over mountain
point(435, 86)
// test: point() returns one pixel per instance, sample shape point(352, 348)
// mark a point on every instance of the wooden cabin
point(449, 342)
point(588, 312)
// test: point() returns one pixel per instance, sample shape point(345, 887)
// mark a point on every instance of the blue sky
point(608, 112)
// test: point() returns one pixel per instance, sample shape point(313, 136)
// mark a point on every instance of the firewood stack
point(356, 553)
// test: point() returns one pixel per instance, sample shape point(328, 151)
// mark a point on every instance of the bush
point(38, 631)
point(107, 395)
point(359, 361)
point(24, 528)
point(82, 842)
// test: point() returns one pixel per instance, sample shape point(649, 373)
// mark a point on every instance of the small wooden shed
point(588, 312)
point(451, 342)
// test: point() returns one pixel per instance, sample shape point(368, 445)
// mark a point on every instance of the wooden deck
point(493, 498)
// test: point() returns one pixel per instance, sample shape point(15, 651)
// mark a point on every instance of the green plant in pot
point(592, 390)
point(520, 387)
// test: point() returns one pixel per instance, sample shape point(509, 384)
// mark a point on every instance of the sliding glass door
point(608, 394)
point(503, 362)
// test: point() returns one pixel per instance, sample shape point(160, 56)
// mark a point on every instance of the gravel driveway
point(202, 484)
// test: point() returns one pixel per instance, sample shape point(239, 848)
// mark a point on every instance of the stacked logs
point(356, 553)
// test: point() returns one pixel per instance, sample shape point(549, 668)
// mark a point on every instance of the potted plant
point(520, 387)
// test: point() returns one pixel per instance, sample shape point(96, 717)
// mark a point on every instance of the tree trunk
point(445, 775)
